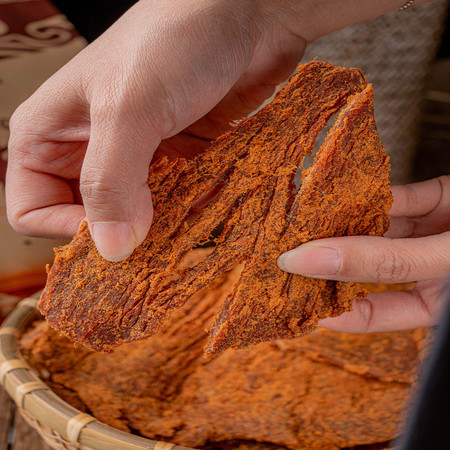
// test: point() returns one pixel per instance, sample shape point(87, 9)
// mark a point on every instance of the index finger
point(419, 199)
point(392, 310)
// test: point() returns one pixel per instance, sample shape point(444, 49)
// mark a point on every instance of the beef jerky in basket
point(251, 170)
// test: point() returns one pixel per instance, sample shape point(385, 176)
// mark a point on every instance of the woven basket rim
point(68, 427)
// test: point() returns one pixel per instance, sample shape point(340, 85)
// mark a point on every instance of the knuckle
point(14, 220)
point(117, 97)
point(13, 123)
point(105, 107)
point(22, 143)
point(17, 117)
point(411, 198)
point(17, 140)
point(126, 99)
point(99, 190)
point(21, 118)
point(444, 185)
point(365, 309)
point(114, 110)
point(18, 221)
point(20, 147)
point(387, 267)
point(445, 180)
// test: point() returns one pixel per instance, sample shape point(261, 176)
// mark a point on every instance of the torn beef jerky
point(327, 390)
point(251, 169)
point(345, 192)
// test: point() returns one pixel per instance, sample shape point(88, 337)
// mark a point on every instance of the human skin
point(170, 75)
point(167, 77)
point(415, 248)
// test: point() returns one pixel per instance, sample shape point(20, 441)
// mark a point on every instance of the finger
point(113, 180)
point(43, 158)
point(40, 203)
point(49, 211)
point(391, 311)
point(419, 199)
point(401, 227)
point(371, 259)
point(413, 227)
point(424, 206)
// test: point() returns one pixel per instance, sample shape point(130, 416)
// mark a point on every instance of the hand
point(94, 126)
point(170, 74)
point(415, 248)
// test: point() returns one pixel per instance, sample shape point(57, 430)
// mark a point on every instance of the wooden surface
point(15, 433)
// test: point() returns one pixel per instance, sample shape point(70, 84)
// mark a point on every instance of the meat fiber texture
point(251, 170)
point(326, 390)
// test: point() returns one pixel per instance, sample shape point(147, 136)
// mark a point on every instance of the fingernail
point(311, 261)
point(115, 241)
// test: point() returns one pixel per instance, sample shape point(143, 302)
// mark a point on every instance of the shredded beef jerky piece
point(362, 354)
point(283, 397)
point(299, 394)
point(346, 192)
point(252, 167)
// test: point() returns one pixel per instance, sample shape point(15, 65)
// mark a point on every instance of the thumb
point(371, 259)
point(113, 184)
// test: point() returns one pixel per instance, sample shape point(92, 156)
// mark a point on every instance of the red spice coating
point(326, 390)
point(252, 168)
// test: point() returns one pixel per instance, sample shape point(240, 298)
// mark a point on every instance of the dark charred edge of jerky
point(203, 175)
point(236, 334)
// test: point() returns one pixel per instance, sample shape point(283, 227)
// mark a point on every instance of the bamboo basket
point(61, 426)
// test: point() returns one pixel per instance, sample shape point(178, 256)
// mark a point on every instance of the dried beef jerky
point(297, 394)
point(344, 193)
point(251, 170)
